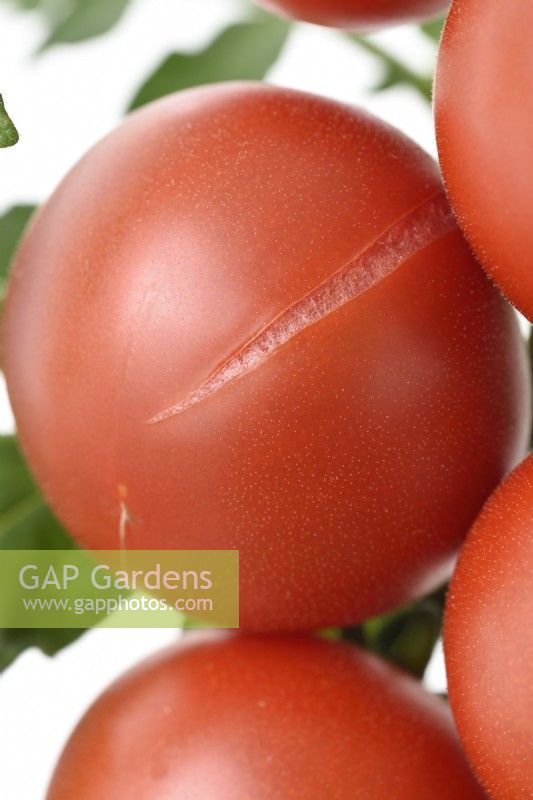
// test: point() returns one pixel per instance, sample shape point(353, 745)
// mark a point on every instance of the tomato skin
point(271, 718)
point(489, 640)
point(357, 14)
point(349, 464)
point(484, 120)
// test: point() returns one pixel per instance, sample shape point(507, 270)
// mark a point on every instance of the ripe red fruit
point(357, 14)
point(489, 640)
point(484, 116)
point(247, 320)
point(265, 718)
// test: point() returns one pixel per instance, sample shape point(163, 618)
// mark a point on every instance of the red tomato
point(357, 14)
point(247, 320)
point(489, 640)
point(484, 114)
point(268, 719)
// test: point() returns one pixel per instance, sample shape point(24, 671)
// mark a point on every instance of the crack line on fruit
point(412, 233)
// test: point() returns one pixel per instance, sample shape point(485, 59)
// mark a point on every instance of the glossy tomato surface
point(268, 719)
point(489, 640)
point(484, 115)
point(247, 320)
point(357, 14)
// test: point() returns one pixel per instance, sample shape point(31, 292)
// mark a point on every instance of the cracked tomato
point(247, 320)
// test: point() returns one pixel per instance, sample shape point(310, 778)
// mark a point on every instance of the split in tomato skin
point(489, 640)
point(357, 14)
point(172, 388)
point(271, 718)
point(484, 122)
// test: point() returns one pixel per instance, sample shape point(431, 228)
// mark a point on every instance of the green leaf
point(26, 522)
point(87, 19)
point(395, 71)
point(433, 29)
point(13, 641)
point(8, 133)
point(245, 51)
point(12, 226)
point(24, 5)
point(52, 10)
point(405, 638)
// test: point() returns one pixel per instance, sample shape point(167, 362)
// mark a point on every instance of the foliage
point(395, 72)
point(244, 51)
point(12, 225)
point(8, 133)
point(87, 19)
point(26, 522)
point(433, 29)
point(406, 637)
point(15, 641)
point(72, 21)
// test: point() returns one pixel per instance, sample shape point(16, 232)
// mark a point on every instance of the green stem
point(406, 637)
point(396, 71)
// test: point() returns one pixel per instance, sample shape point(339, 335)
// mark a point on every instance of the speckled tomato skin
point(358, 14)
point(348, 466)
point(484, 121)
point(489, 640)
point(268, 719)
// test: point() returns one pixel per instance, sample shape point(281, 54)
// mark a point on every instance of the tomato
point(484, 116)
point(489, 640)
point(268, 719)
point(247, 320)
point(357, 14)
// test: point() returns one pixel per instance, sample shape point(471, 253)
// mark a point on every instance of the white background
point(62, 102)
